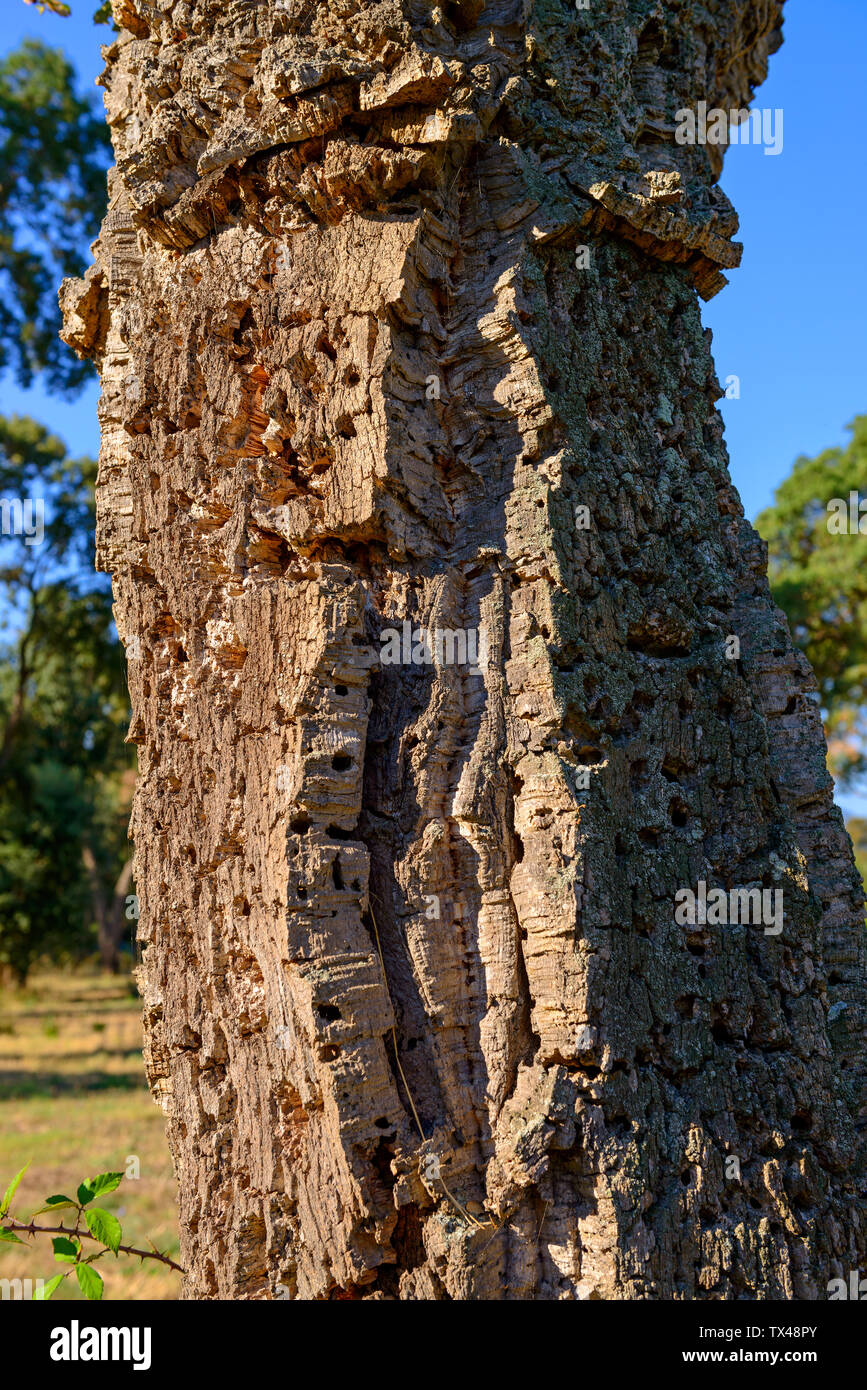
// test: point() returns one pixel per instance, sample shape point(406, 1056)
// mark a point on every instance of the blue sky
point(792, 323)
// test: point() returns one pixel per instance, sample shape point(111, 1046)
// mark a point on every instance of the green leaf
point(89, 1282)
point(65, 1249)
point(104, 1226)
point(11, 1190)
point(55, 1204)
point(47, 1290)
point(98, 1186)
point(10, 1237)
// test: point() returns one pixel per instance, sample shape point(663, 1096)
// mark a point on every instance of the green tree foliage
point(819, 578)
point(63, 710)
point(54, 151)
point(857, 828)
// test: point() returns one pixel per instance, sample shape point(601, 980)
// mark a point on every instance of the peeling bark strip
point(358, 372)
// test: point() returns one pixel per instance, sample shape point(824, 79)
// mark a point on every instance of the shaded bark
point(417, 1005)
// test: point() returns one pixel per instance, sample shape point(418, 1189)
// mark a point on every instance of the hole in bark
point(589, 756)
point(246, 325)
point(649, 837)
point(463, 14)
point(301, 891)
point(802, 1120)
point(383, 1122)
point(381, 1159)
point(301, 824)
point(336, 833)
point(341, 762)
point(324, 344)
point(329, 1013)
point(351, 376)
point(654, 645)
point(328, 1054)
point(684, 1005)
point(337, 873)
point(721, 1032)
point(341, 690)
point(180, 654)
point(678, 814)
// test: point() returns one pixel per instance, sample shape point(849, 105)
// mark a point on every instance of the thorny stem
point(33, 1230)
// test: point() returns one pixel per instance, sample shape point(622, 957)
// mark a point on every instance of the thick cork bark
point(418, 1006)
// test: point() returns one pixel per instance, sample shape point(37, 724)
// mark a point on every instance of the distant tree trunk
point(109, 916)
point(418, 1007)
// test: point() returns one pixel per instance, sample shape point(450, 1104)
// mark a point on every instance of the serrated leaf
point(10, 1238)
point(104, 1226)
point(89, 1282)
point(55, 1203)
point(64, 1249)
point(98, 1186)
point(11, 1190)
point(45, 1292)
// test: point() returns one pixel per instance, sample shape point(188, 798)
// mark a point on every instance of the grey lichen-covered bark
point(417, 1004)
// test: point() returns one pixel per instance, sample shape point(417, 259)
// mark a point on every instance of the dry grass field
point(73, 1101)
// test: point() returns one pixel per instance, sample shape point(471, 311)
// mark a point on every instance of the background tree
point(819, 579)
point(63, 713)
point(64, 866)
point(53, 153)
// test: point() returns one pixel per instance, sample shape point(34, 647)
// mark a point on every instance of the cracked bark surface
point(316, 210)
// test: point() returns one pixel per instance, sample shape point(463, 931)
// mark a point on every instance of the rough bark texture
point(317, 208)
